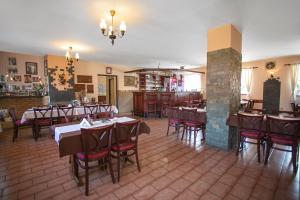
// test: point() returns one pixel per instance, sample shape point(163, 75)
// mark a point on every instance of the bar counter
point(177, 98)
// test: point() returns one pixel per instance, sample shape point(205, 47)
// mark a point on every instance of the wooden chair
point(151, 103)
point(96, 145)
point(104, 111)
point(283, 131)
point(91, 110)
point(165, 102)
point(190, 125)
point(126, 143)
point(42, 119)
point(249, 126)
point(174, 119)
point(17, 123)
point(65, 114)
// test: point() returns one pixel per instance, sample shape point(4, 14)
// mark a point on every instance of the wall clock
point(270, 65)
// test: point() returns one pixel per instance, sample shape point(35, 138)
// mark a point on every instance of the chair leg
point(137, 160)
point(183, 132)
point(238, 145)
point(258, 150)
point(111, 171)
point(168, 129)
point(15, 135)
point(119, 158)
point(294, 157)
point(75, 167)
point(86, 179)
point(267, 151)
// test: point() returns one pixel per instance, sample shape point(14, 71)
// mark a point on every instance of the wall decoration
point(31, 68)
point(12, 70)
point(84, 79)
point(12, 61)
point(17, 78)
point(130, 81)
point(89, 89)
point(2, 78)
point(36, 79)
point(79, 87)
point(61, 84)
point(108, 70)
point(270, 65)
point(27, 79)
point(45, 67)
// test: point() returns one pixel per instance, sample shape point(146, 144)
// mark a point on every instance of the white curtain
point(295, 75)
point(247, 80)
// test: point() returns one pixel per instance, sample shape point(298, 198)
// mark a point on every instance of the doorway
point(107, 89)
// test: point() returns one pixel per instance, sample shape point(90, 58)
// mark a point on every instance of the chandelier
point(70, 57)
point(111, 32)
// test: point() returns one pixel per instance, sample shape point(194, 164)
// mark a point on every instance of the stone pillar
point(223, 84)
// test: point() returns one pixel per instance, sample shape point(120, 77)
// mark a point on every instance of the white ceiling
point(169, 32)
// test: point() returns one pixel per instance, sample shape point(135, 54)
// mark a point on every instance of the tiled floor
point(171, 169)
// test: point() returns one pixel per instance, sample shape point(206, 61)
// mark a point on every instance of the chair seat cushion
point(63, 120)
point(93, 155)
point(283, 140)
point(104, 115)
point(123, 147)
point(194, 124)
point(44, 122)
point(175, 121)
point(26, 123)
point(252, 134)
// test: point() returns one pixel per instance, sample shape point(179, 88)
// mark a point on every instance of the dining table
point(78, 110)
point(67, 136)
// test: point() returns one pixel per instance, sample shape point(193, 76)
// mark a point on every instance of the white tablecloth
point(29, 114)
point(64, 131)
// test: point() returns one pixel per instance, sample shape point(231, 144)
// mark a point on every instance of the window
point(298, 81)
point(246, 79)
point(192, 82)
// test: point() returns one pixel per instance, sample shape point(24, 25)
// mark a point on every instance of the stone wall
point(223, 95)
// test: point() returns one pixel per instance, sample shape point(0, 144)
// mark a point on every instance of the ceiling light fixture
point(70, 57)
point(111, 32)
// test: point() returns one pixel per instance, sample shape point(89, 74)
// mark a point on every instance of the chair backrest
point(105, 111)
point(173, 112)
point(283, 126)
point(251, 122)
point(188, 114)
point(43, 113)
point(293, 105)
point(90, 109)
point(127, 132)
point(96, 139)
point(13, 115)
point(65, 112)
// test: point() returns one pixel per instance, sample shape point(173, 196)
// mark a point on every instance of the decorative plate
point(270, 65)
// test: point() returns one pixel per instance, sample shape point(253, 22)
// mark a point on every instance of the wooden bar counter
point(176, 99)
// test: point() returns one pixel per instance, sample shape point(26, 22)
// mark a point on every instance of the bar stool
point(165, 102)
point(151, 104)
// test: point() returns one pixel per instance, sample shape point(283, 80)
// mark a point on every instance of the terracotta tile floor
point(171, 169)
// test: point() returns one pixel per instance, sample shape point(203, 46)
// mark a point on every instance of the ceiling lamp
point(70, 57)
point(111, 32)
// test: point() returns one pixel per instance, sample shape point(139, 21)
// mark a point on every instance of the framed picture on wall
point(12, 61)
point(27, 79)
point(13, 70)
point(130, 81)
point(36, 79)
point(108, 70)
point(17, 78)
point(31, 68)
point(46, 67)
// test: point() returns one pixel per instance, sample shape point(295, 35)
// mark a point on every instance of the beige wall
point(283, 72)
point(93, 69)
point(260, 75)
point(21, 59)
point(226, 36)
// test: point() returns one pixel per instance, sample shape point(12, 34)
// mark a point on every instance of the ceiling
point(166, 32)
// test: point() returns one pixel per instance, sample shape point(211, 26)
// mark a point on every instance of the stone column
point(223, 84)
